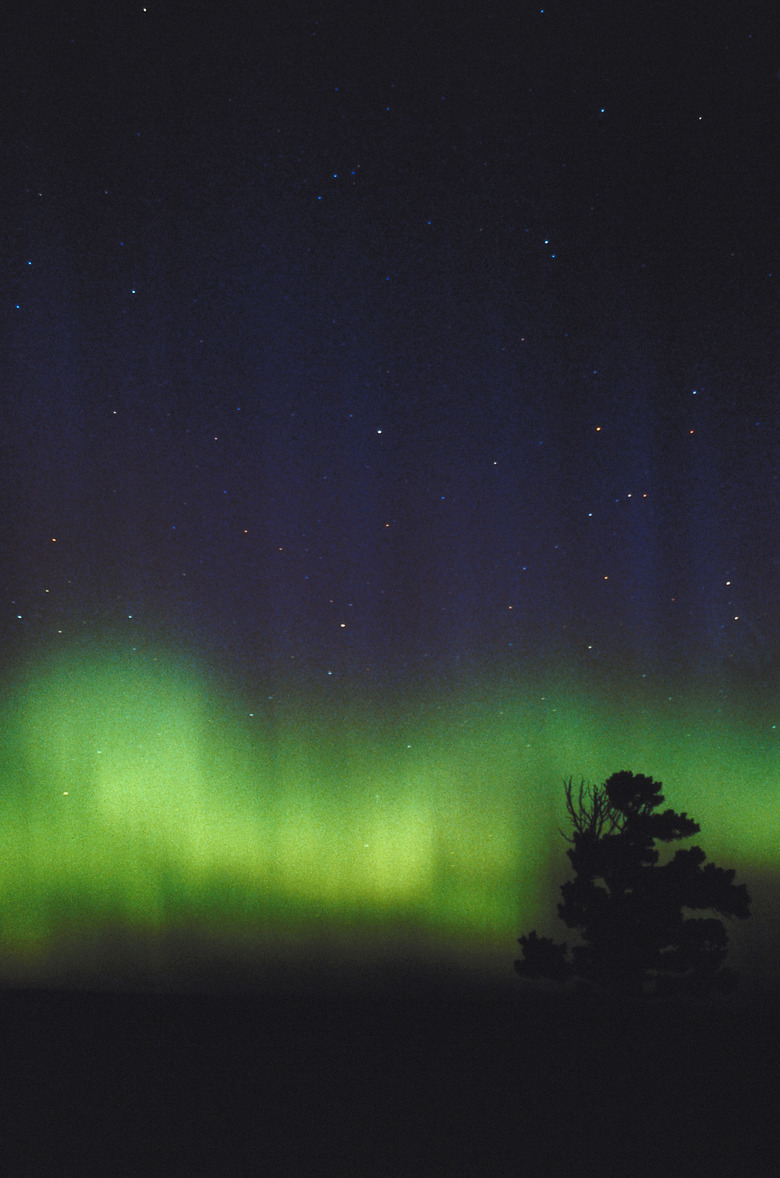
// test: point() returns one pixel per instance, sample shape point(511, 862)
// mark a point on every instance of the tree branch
point(592, 814)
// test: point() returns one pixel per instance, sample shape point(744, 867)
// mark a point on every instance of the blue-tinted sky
point(386, 342)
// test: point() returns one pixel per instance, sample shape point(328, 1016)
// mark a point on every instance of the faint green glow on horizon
point(139, 793)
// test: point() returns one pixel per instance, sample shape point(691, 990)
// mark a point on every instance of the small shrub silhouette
point(629, 910)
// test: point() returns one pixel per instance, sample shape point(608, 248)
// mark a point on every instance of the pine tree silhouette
point(630, 910)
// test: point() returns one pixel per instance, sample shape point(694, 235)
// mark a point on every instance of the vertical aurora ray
point(140, 795)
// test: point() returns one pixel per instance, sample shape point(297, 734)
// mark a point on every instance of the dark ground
point(424, 1081)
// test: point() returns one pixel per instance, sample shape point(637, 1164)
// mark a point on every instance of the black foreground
point(420, 1081)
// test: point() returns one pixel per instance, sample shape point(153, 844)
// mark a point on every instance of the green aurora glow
point(144, 808)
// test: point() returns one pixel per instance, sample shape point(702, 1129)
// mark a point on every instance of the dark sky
point(387, 342)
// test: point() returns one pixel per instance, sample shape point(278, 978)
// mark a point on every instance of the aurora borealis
point(389, 433)
point(141, 804)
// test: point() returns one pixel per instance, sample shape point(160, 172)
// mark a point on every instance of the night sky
point(410, 370)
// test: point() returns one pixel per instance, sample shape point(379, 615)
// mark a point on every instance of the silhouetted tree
point(628, 908)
